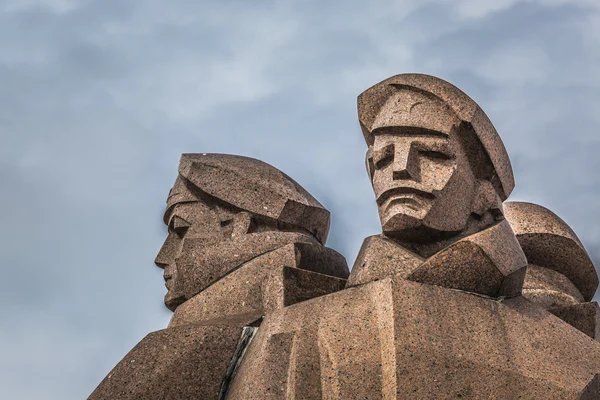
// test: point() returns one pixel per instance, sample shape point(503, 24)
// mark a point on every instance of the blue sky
point(99, 98)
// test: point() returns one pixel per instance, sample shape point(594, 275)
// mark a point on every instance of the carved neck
point(427, 248)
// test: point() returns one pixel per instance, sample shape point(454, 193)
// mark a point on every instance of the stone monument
point(244, 239)
point(461, 296)
point(560, 274)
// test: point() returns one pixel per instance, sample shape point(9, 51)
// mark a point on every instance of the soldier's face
point(421, 178)
point(193, 221)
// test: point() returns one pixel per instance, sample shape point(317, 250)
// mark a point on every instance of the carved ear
point(487, 199)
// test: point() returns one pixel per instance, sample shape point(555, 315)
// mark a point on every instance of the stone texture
point(226, 210)
point(379, 258)
point(592, 390)
point(583, 316)
point(396, 339)
point(550, 243)
point(204, 265)
point(420, 94)
point(561, 276)
point(256, 187)
point(275, 279)
point(187, 362)
point(458, 297)
point(489, 262)
point(549, 288)
point(440, 172)
point(244, 239)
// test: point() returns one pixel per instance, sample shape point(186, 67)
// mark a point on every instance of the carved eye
point(181, 231)
point(383, 162)
point(227, 227)
point(383, 157)
point(179, 226)
point(435, 155)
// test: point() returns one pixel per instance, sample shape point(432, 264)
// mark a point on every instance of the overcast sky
point(99, 98)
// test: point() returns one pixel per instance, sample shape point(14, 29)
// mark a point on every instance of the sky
point(99, 98)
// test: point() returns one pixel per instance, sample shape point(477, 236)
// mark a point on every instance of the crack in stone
point(246, 337)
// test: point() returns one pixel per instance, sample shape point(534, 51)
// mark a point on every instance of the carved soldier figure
point(440, 173)
point(433, 305)
point(226, 211)
point(244, 239)
point(560, 274)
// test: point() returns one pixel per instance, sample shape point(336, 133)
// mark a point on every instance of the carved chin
point(399, 217)
point(172, 301)
point(400, 222)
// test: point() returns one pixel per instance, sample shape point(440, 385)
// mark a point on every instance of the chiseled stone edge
point(246, 337)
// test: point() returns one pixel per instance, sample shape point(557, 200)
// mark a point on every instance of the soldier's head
point(434, 158)
point(560, 271)
point(225, 209)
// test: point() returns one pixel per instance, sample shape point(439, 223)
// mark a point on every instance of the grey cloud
point(99, 99)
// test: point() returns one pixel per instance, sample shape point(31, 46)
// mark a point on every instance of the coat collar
point(490, 262)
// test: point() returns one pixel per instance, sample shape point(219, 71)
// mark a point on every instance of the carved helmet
point(249, 185)
point(437, 90)
point(549, 242)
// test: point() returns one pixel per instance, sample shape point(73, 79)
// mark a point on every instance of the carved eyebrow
point(408, 131)
point(171, 214)
point(436, 145)
point(381, 153)
point(178, 223)
point(168, 215)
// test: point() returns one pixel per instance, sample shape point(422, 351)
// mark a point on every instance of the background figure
point(224, 210)
point(244, 240)
point(560, 274)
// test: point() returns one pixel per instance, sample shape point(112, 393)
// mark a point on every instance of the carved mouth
point(167, 278)
point(410, 196)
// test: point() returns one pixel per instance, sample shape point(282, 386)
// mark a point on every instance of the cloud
point(55, 6)
point(99, 99)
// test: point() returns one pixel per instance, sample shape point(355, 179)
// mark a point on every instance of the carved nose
point(406, 162)
point(166, 254)
point(161, 260)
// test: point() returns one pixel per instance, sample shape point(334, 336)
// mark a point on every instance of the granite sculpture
point(228, 211)
point(560, 275)
point(440, 173)
point(243, 239)
point(461, 295)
